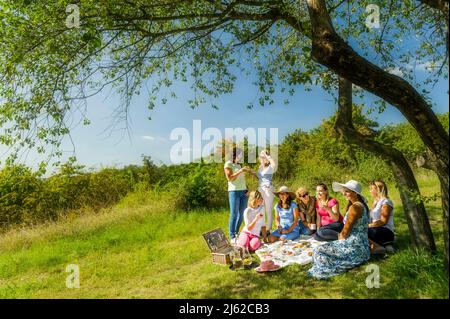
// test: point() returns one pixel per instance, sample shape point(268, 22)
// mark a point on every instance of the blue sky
point(96, 147)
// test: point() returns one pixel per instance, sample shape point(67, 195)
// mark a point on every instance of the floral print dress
point(337, 257)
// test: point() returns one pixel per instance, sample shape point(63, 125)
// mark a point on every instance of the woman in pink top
point(329, 219)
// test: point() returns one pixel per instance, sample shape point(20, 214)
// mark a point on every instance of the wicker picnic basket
point(219, 246)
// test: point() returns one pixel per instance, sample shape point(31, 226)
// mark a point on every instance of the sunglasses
point(304, 195)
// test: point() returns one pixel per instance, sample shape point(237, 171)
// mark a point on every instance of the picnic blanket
point(297, 251)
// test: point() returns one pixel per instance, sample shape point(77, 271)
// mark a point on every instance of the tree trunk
point(444, 195)
point(416, 217)
point(429, 162)
point(331, 51)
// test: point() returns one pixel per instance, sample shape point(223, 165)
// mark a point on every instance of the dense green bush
point(203, 186)
point(27, 197)
point(405, 138)
point(20, 191)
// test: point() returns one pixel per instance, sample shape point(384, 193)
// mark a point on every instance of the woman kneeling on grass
point(286, 216)
point(254, 223)
point(352, 247)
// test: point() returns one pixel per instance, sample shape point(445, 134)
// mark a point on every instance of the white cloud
point(427, 66)
point(395, 71)
point(147, 137)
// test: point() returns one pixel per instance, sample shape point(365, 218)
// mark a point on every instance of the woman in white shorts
point(265, 173)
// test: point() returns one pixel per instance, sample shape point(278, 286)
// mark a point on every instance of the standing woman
point(352, 247)
point(237, 192)
point(264, 174)
point(329, 219)
point(381, 227)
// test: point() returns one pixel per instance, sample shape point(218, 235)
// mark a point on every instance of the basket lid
point(216, 239)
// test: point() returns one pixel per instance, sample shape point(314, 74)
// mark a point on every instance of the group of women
point(351, 239)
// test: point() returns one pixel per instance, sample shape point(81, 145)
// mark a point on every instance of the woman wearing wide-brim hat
point(286, 216)
point(285, 189)
point(352, 247)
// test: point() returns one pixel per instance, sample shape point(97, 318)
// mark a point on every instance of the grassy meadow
point(145, 248)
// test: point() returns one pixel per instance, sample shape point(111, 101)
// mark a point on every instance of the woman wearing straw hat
point(286, 216)
point(352, 247)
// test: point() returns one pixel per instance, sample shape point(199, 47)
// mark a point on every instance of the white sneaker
point(233, 241)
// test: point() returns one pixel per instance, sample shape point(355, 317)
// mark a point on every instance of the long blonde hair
point(253, 198)
point(382, 191)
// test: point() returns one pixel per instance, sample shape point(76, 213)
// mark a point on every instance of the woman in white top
point(265, 172)
point(381, 226)
point(254, 223)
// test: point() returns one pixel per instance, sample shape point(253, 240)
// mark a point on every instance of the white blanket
point(298, 251)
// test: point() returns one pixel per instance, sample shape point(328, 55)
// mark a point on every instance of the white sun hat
point(351, 185)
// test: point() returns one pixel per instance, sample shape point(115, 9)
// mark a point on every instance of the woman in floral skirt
point(352, 247)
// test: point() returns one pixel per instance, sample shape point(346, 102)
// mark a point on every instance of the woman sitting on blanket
point(381, 226)
point(329, 219)
point(254, 223)
point(352, 247)
point(286, 216)
point(306, 205)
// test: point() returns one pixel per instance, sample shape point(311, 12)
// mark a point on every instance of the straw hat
point(285, 189)
point(351, 185)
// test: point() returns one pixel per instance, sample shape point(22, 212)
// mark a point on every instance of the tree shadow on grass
point(291, 282)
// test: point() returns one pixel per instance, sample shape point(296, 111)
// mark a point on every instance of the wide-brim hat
point(285, 189)
point(351, 185)
point(267, 265)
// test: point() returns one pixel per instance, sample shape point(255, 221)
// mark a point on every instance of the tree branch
point(333, 52)
point(441, 5)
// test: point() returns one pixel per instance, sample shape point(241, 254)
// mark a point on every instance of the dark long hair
point(361, 200)
point(288, 203)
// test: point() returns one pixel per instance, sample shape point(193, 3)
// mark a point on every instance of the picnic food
point(303, 244)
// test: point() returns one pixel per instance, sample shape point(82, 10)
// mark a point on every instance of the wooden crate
point(219, 246)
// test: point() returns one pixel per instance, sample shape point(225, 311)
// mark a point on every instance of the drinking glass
point(246, 257)
point(236, 258)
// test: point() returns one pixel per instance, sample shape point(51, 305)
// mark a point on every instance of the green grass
point(144, 249)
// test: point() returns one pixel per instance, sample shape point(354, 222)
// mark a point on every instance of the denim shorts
point(290, 236)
